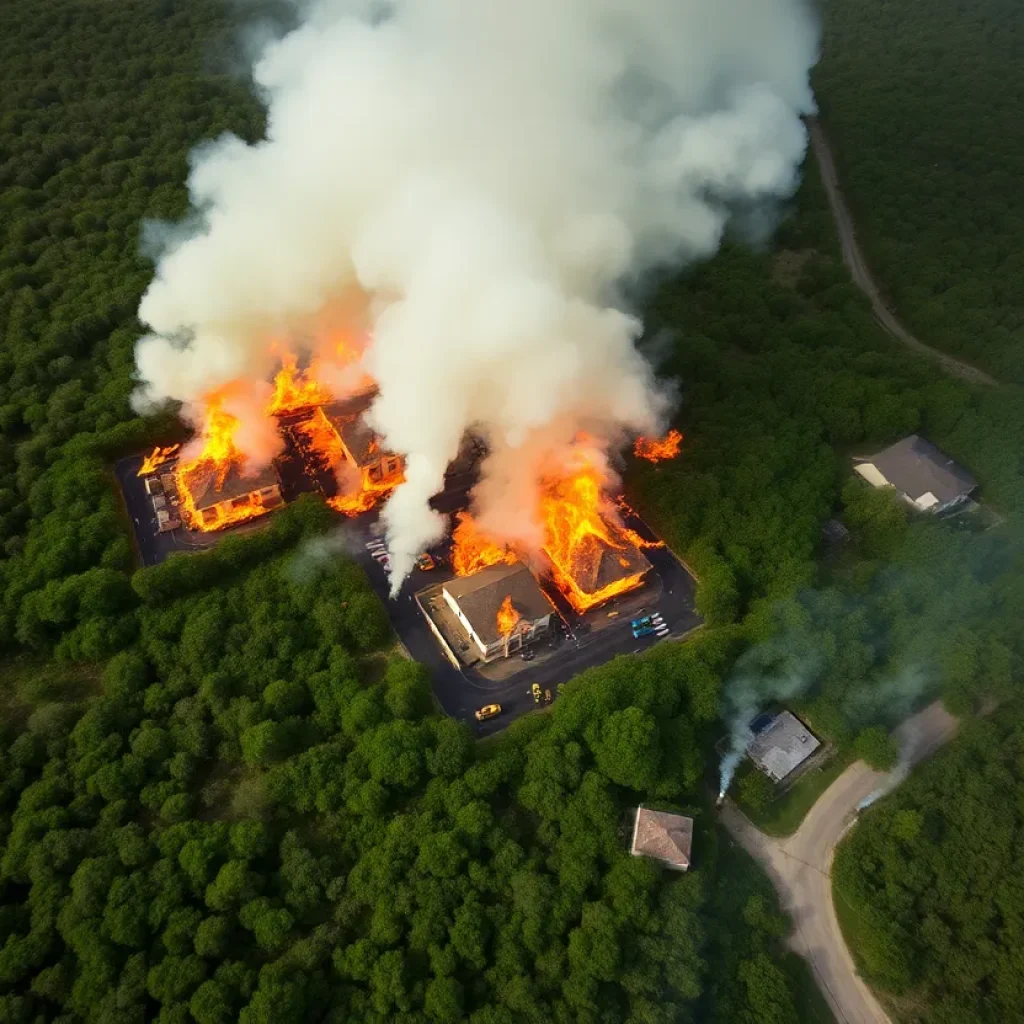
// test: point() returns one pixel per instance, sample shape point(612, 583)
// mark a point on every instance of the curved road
point(854, 260)
point(800, 866)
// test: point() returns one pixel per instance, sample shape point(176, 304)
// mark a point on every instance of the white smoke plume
point(486, 177)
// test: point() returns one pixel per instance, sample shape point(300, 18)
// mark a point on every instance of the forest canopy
point(225, 796)
point(921, 100)
point(933, 880)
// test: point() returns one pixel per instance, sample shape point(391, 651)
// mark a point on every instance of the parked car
point(488, 711)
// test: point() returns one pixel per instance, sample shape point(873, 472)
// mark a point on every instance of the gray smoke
point(485, 176)
point(777, 670)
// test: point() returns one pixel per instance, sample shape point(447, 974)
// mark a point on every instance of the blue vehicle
point(648, 624)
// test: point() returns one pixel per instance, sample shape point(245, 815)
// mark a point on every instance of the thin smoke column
point(473, 185)
point(774, 671)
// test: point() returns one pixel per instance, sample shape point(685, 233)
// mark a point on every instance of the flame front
point(508, 617)
point(580, 528)
point(472, 550)
point(658, 449)
point(358, 493)
point(295, 389)
point(365, 496)
point(216, 459)
point(156, 458)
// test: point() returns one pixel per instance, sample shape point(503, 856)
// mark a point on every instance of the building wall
point(496, 649)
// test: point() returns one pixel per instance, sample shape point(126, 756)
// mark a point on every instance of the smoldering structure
point(447, 201)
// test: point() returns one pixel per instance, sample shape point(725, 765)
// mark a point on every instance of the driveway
point(854, 260)
point(800, 866)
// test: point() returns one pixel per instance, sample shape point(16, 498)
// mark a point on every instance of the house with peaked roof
point(923, 476)
point(476, 599)
point(663, 837)
point(216, 496)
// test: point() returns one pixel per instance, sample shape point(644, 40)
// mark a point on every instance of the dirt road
point(854, 259)
point(800, 866)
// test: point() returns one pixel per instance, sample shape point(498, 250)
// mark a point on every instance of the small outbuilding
point(923, 476)
point(663, 837)
point(780, 747)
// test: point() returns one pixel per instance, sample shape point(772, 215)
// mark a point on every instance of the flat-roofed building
point(782, 746)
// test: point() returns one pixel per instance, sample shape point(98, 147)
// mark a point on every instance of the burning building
point(212, 500)
point(218, 487)
point(500, 607)
point(366, 472)
point(593, 557)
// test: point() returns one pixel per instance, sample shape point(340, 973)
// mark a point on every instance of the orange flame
point(320, 441)
point(657, 449)
point(156, 458)
point(364, 498)
point(472, 550)
point(295, 390)
point(210, 468)
point(581, 527)
point(508, 617)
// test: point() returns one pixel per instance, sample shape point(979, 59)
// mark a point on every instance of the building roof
point(361, 442)
point(600, 565)
point(782, 746)
point(480, 595)
point(916, 467)
point(665, 837)
point(206, 492)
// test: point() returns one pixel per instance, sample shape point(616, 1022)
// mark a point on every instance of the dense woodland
point(921, 100)
point(223, 796)
point(931, 884)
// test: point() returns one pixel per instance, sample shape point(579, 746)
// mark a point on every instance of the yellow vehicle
point(425, 562)
point(488, 711)
point(535, 693)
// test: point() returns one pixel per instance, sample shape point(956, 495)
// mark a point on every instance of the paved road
point(800, 866)
point(854, 259)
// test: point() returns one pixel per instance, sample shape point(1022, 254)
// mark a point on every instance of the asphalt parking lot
point(582, 642)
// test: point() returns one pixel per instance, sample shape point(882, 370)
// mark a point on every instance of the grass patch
point(26, 683)
point(735, 878)
point(856, 931)
point(810, 1002)
point(783, 815)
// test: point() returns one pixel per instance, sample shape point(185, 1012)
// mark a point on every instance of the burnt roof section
point(481, 595)
point(663, 836)
point(360, 441)
point(603, 565)
point(915, 467)
point(205, 492)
